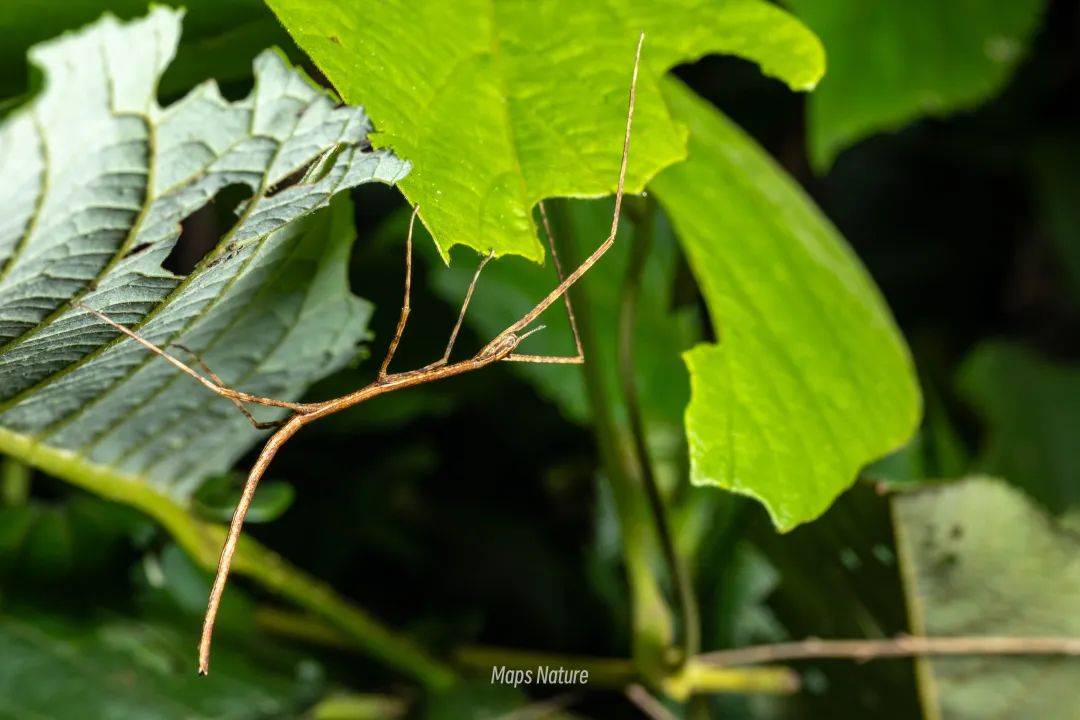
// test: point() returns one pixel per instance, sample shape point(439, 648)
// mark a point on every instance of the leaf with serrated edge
point(810, 378)
point(96, 178)
point(501, 104)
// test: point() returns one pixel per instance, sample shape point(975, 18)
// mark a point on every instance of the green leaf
point(92, 209)
point(1031, 406)
point(893, 61)
point(501, 104)
point(980, 559)
point(53, 666)
point(810, 379)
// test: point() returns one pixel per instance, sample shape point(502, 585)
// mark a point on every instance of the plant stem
point(603, 672)
point(903, 646)
point(652, 625)
point(640, 247)
point(693, 677)
point(303, 627)
point(202, 540)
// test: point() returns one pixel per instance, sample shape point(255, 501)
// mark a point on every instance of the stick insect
point(503, 348)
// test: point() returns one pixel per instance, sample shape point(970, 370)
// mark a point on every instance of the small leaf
point(501, 104)
point(216, 499)
point(893, 61)
point(978, 558)
point(810, 379)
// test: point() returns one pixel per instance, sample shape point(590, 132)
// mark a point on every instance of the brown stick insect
point(503, 348)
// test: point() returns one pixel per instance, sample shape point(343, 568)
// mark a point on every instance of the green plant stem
point(303, 627)
point(693, 677)
point(699, 675)
point(644, 214)
point(603, 672)
point(203, 541)
point(652, 624)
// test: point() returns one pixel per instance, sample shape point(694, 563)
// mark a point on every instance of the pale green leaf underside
point(979, 558)
point(95, 179)
point(810, 378)
point(893, 61)
point(501, 103)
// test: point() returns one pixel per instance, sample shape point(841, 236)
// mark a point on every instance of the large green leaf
point(810, 379)
point(96, 179)
point(59, 667)
point(892, 61)
point(980, 559)
point(1031, 406)
point(501, 103)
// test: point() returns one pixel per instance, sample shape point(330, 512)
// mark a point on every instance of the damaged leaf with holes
point(96, 180)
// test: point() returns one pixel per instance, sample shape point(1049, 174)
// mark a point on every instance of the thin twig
point(647, 704)
point(902, 646)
